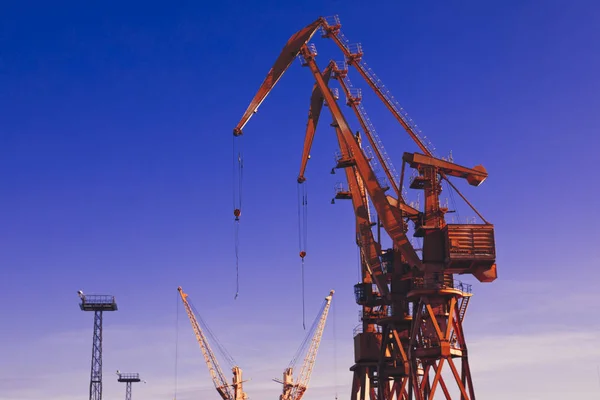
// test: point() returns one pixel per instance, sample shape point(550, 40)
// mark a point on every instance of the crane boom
point(367, 127)
point(354, 102)
point(216, 373)
point(314, 112)
point(289, 52)
point(354, 58)
point(390, 216)
point(309, 360)
point(369, 248)
point(357, 193)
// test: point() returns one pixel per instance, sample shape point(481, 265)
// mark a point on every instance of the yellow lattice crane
point(233, 391)
point(294, 390)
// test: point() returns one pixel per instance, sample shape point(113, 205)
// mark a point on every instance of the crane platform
point(98, 303)
point(129, 377)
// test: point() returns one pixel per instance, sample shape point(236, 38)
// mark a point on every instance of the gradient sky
point(115, 177)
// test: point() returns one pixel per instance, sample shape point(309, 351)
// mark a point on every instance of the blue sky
point(115, 169)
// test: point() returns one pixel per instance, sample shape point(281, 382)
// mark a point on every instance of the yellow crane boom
point(216, 373)
point(295, 390)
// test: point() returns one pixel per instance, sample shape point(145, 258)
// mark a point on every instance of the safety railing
point(408, 310)
point(359, 329)
point(331, 21)
point(340, 68)
point(354, 96)
point(373, 313)
point(129, 376)
point(335, 92)
point(339, 187)
point(98, 299)
point(441, 283)
point(391, 100)
point(354, 52)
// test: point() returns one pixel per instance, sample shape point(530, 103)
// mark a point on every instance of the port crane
point(294, 389)
point(233, 391)
point(423, 306)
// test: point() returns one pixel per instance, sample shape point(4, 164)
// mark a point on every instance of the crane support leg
point(362, 384)
point(437, 341)
point(393, 369)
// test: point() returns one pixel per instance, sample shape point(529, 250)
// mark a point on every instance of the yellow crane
point(294, 390)
point(233, 391)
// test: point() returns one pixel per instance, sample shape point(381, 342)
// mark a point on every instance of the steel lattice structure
point(98, 304)
point(412, 307)
point(128, 379)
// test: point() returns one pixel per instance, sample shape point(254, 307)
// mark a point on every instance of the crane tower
point(128, 379)
point(98, 304)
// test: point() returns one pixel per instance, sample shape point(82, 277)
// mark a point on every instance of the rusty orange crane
point(420, 330)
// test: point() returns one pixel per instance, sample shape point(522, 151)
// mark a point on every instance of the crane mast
point(416, 302)
point(218, 378)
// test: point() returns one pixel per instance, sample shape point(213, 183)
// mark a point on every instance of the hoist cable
point(238, 165)
point(307, 338)
point(305, 214)
point(213, 338)
point(234, 177)
point(453, 200)
point(299, 217)
point(302, 238)
point(303, 303)
point(236, 239)
point(335, 368)
point(176, 344)
point(238, 172)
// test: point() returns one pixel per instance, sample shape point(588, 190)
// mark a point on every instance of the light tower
point(98, 304)
point(128, 378)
